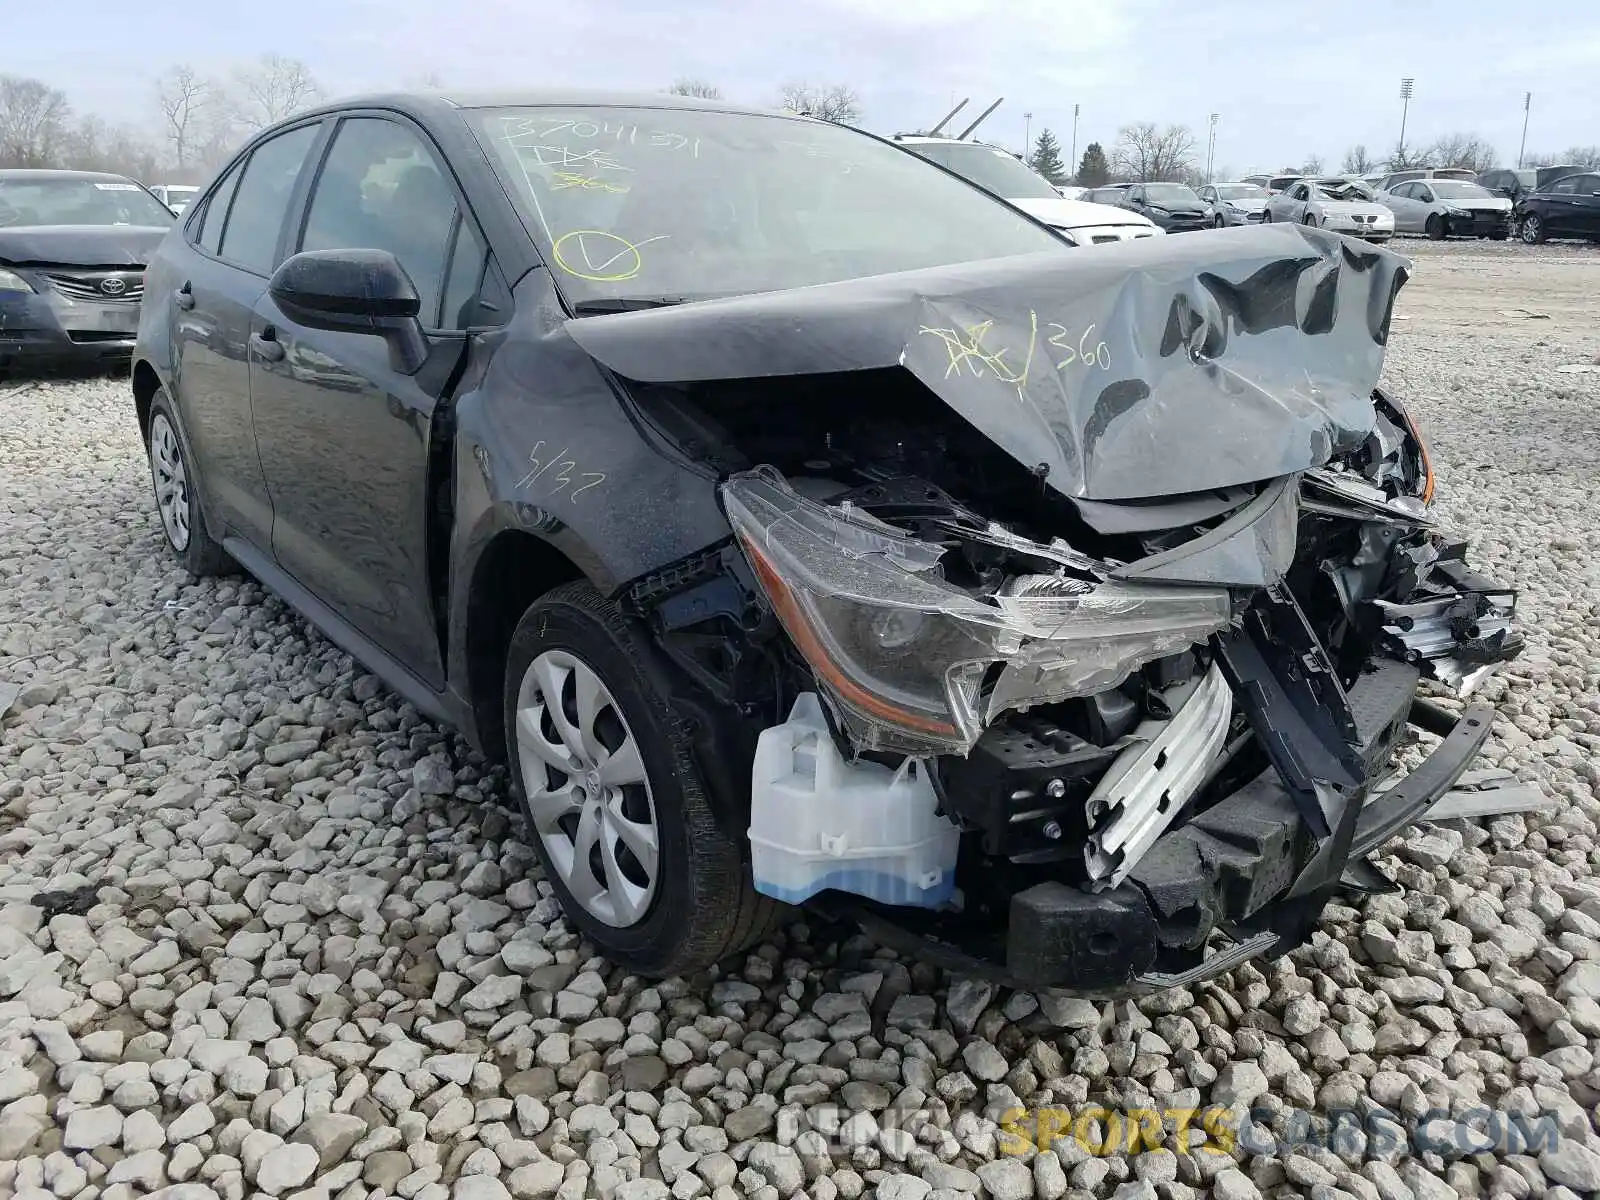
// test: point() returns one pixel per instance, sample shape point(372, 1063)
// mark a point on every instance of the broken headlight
point(919, 665)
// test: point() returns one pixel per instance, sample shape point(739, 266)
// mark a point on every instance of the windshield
point(1241, 191)
point(993, 170)
point(684, 203)
point(1451, 189)
point(1170, 193)
point(1344, 189)
point(70, 201)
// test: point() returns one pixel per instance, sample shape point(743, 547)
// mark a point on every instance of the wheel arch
point(146, 382)
point(513, 569)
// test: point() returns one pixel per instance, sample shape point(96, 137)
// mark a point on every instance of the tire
point(1531, 230)
point(1219, 222)
point(1309, 219)
point(1266, 216)
point(1435, 228)
point(172, 476)
point(700, 904)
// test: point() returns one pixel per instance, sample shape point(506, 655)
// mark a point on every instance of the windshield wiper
point(617, 304)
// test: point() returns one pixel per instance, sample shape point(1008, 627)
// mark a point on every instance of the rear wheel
point(172, 475)
point(1435, 227)
point(615, 803)
point(1532, 230)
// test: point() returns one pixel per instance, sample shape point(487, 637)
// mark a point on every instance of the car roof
point(440, 99)
point(36, 174)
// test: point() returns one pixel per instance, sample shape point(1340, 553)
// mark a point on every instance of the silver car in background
point(1444, 208)
point(1236, 203)
point(1342, 205)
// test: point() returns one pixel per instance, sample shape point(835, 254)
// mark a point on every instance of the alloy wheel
point(1531, 230)
point(171, 481)
point(588, 792)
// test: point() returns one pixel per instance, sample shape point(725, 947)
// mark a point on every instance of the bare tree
point(94, 145)
point(33, 122)
point(836, 102)
point(184, 98)
point(1313, 165)
point(1147, 153)
point(1587, 157)
point(1462, 150)
point(1357, 161)
point(272, 89)
point(1406, 158)
point(704, 89)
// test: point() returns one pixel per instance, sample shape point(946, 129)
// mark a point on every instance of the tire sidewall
point(1435, 227)
point(554, 624)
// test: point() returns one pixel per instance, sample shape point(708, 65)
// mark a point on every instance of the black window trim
point(242, 161)
point(300, 210)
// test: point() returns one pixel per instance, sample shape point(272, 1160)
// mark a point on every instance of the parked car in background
point(1514, 184)
point(1395, 177)
point(1115, 194)
point(1342, 205)
point(73, 248)
point(1272, 183)
point(1566, 208)
point(725, 495)
point(1176, 207)
point(1236, 203)
point(1444, 208)
point(1069, 191)
point(1005, 175)
point(175, 196)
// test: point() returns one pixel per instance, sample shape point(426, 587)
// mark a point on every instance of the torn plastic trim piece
point(1252, 548)
point(1148, 785)
point(904, 654)
point(1371, 501)
point(1225, 959)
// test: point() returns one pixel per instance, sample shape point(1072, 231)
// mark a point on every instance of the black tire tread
point(726, 913)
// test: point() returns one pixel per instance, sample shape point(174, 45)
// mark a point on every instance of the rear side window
point(211, 221)
point(262, 200)
point(1589, 185)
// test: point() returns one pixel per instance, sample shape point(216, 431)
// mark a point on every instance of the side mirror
point(354, 291)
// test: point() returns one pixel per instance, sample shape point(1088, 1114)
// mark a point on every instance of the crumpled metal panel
point(1147, 368)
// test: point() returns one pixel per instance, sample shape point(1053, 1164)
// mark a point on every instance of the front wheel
point(603, 766)
point(1532, 230)
point(1435, 227)
point(172, 475)
point(1219, 222)
point(1309, 219)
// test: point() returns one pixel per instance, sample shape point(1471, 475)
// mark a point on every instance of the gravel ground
point(265, 931)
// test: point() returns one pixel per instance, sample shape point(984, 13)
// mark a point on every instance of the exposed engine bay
point(1047, 721)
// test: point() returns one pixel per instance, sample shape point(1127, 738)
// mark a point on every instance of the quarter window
point(381, 189)
point(211, 221)
point(256, 219)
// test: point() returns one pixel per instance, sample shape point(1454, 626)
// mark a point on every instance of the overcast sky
point(1289, 79)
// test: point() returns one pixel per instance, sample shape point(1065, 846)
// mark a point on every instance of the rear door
point(345, 437)
point(220, 272)
point(1561, 208)
point(1586, 207)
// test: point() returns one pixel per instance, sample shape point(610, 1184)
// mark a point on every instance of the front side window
point(256, 216)
point(670, 204)
point(79, 200)
point(1168, 194)
point(381, 189)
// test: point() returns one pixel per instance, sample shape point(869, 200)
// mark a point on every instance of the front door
point(345, 436)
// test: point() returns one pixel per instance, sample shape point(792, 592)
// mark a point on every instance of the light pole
point(1211, 145)
point(1405, 109)
point(1073, 161)
point(1527, 103)
point(1027, 135)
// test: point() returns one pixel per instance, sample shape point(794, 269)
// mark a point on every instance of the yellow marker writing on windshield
point(571, 179)
point(598, 256)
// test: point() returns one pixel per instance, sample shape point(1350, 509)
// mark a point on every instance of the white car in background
point(1003, 174)
point(175, 196)
point(1236, 203)
point(1342, 205)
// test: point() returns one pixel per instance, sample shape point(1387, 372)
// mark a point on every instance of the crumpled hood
point(79, 245)
point(1079, 214)
point(1151, 367)
point(1249, 206)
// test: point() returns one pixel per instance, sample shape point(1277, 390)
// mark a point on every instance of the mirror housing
point(354, 291)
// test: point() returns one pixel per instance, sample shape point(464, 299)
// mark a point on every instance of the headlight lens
point(10, 281)
point(907, 657)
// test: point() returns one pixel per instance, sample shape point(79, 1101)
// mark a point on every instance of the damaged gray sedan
point(804, 525)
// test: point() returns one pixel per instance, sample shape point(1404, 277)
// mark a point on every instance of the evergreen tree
point(1046, 158)
point(1093, 170)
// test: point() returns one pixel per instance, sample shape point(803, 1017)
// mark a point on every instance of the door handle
point(184, 297)
point(266, 346)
